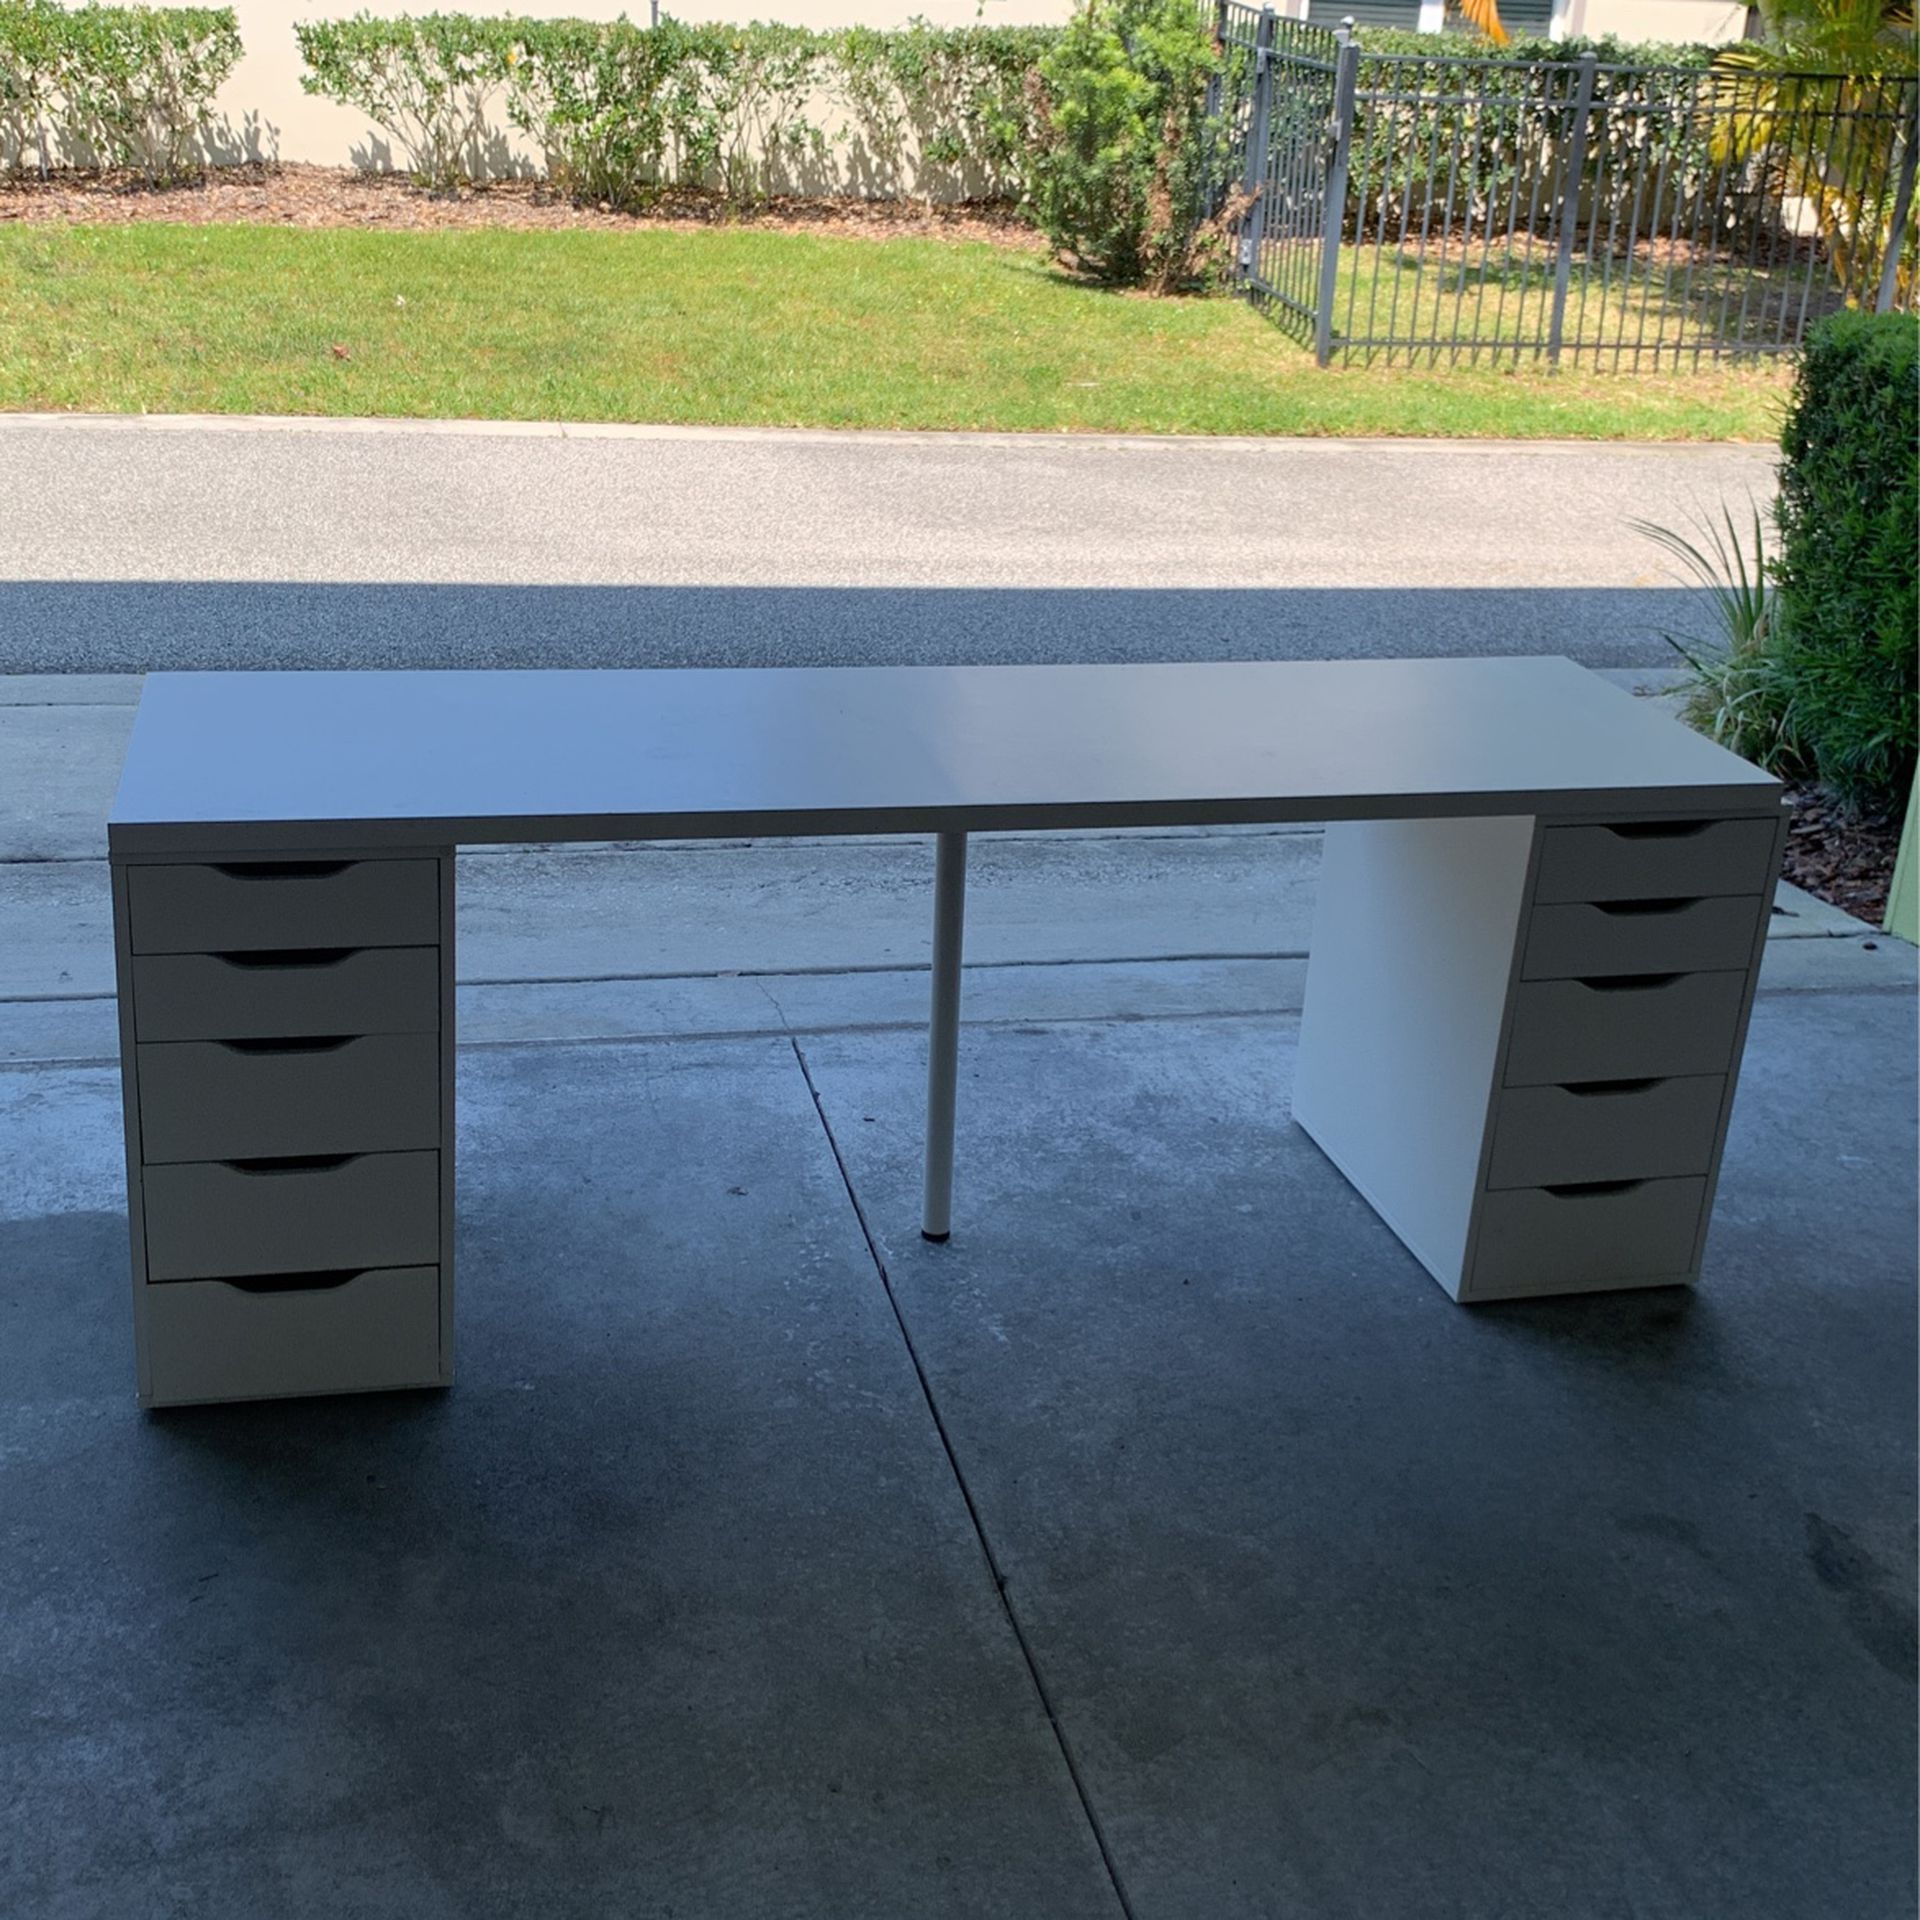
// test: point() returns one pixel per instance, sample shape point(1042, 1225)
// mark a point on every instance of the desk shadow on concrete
point(138, 626)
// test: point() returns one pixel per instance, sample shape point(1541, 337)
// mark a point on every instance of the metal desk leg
point(943, 1030)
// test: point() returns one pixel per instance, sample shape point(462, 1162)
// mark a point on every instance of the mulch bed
point(1847, 863)
point(305, 196)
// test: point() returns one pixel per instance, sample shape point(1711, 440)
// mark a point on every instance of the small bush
point(1848, 569)
point(1737, 688)
point(120, 86)
point(431, 81)
point(1127, 142)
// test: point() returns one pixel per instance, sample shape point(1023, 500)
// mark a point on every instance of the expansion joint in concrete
point(987, 1553)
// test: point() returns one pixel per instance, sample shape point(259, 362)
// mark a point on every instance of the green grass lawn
point(730, 326)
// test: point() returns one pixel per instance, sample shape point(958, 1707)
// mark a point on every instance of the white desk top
point(299, 761)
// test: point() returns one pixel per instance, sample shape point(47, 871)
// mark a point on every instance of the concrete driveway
point(130, 544)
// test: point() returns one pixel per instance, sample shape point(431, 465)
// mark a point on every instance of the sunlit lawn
point(731, 326)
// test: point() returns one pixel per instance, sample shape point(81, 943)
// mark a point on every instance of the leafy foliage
point(1739, 692)
point(115, 86)
point(1128, 143)
point(1488, 143)
point(1848, 573)
point(1824, 63)
point(619, 111)
point(432, 81)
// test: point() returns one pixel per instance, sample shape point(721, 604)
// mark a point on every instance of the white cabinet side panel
point(1414, 935)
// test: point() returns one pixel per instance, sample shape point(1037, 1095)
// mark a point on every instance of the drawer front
point(210, 1221)
point(210, 1340)
point(301, 903)
point(1637, 1130)
point(1533, 1240)
point(204, 1100)
point(286, 995)
point(1679, 936)
point(1628, 1029)
point(1635, 861)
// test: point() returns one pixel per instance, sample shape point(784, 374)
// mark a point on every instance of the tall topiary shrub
point(1127, 142)
point(1848, 569)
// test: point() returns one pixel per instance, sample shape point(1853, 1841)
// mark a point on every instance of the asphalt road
point(128, 545)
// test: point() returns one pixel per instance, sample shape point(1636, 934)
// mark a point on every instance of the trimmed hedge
point(1482, 144)
point(114, 86)
point(620, 111)
point(1848, 569)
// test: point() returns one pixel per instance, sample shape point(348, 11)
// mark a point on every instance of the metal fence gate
point(1420, 207)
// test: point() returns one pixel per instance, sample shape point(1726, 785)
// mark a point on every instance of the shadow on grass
point(90, 626)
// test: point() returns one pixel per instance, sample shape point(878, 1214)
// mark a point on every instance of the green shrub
point(619, 110)
point(431, 81)
point(615, 109)
point(1127, 142)
point(119, 86)
point(1487, 146)
point(962, 96)
point(1848, 569)
point(1737, 688)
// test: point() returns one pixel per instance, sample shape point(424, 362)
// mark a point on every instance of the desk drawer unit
point(1574, 1239)
point(1624, 1027)
point(1642, 936)
point(280, 1099)
point(286, 993)
point(1636, 957)
point(323, 1333)
point(241, 1217)
point(1662, 859)
point(287, 1051)
point(236, 906)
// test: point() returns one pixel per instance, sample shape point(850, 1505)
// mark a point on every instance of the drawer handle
point(1640, 909)
point(1592, 1189)
point(281, 869)
point(1605, 1089)
point(317, 1043)
point(1630, 982)
point(273, 957)
point(320, 1282)
point(292, 1163)
point(1660, 829)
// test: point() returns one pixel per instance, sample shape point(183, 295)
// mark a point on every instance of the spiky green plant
point(1738, 692)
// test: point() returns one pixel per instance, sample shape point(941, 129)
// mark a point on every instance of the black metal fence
point(1418, 207)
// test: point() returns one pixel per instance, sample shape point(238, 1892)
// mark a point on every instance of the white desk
point(1541, 912)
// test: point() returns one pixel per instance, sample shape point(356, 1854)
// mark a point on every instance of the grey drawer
point(1655, 859)
point(1650, 936)
point(300, 903)
point(213, 1340)
point(207, 1221)
point(1605, 1130)
point(208, 1100)
point(1626, 1029)
point(1535, 1240)
point(286, 994)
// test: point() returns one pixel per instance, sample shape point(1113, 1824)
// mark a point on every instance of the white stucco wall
point(1712, 22)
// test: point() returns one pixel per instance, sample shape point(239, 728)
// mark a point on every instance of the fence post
point(1570, 203)
point(1902, 200)
point(1259, 131)
point(1333, 215)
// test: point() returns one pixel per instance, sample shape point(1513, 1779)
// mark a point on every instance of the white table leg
point(943, 1030)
